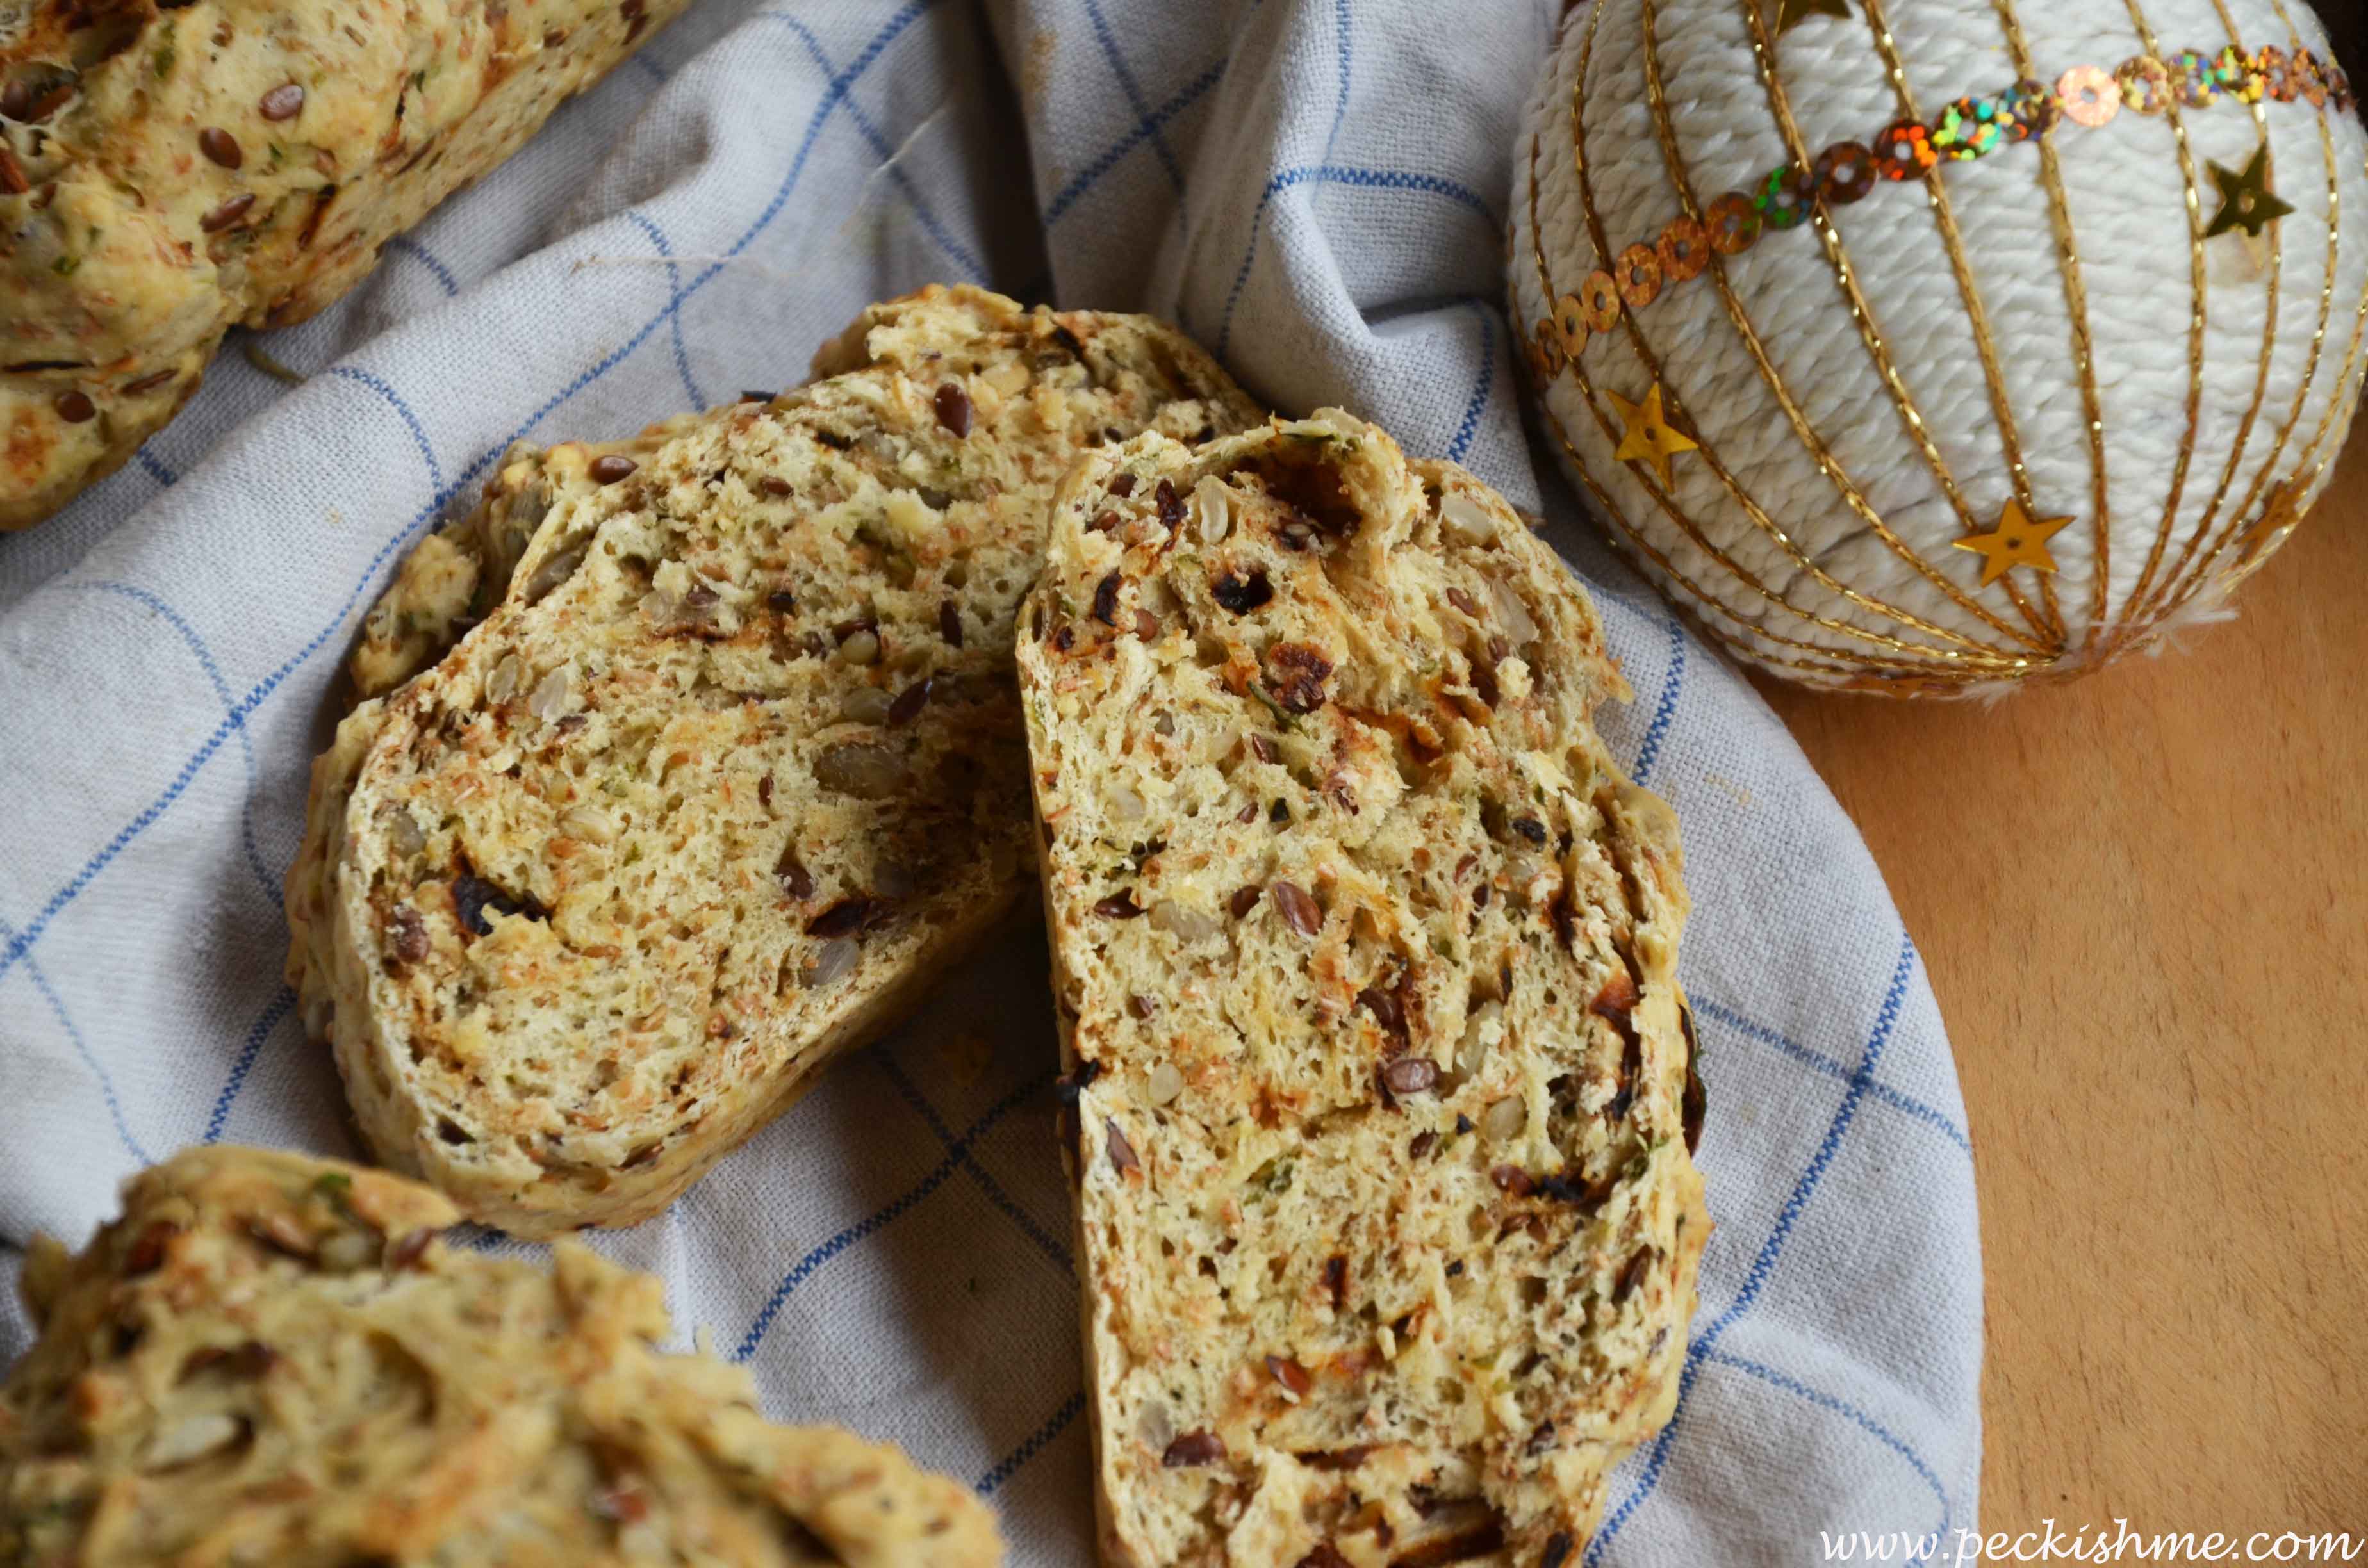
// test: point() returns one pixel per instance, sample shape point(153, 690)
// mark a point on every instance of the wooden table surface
point(2143, 899)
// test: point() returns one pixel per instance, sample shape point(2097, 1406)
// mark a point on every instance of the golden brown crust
point(728, 768)
point(1366, 955)
point(274, 1359)
point(166, 172)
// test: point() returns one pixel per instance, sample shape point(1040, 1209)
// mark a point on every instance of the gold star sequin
point(1788, 12)
point(1647, 436)
point(2017, 541)
point(2245, 202)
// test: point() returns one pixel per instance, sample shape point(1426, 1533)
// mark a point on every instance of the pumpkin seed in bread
point(271, 1358)
point(730, 770)
point(167, 171)
point(1383, 1106)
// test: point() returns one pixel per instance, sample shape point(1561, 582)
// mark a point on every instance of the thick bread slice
point(273, 1359)
point(167, 171)
point(1366, 953)
point(734, 761)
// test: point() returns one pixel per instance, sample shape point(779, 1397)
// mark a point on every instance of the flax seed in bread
point(271, 1358)
point(730, 770)
point(1388, 1225)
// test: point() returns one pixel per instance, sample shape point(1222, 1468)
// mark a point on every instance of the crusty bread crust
point(732, 763)
point(173, 188)
point(1380, 1083)
point(274, 1358)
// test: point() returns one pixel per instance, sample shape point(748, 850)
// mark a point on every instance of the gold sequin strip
point(1789, 196)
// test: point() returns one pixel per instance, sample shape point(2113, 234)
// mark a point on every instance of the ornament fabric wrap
point(2049, 326)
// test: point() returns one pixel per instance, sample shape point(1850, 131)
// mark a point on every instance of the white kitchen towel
point(1318, 191)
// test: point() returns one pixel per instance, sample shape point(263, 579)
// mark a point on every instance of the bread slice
point(1366, 953)
point(273, 1358)
point(732, 762)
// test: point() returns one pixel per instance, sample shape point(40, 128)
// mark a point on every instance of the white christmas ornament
point(1931, 346)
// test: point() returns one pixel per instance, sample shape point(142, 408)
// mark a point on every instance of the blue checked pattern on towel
point(1318, 191)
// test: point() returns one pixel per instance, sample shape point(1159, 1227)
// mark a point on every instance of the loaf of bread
point(730, 770)
point(1381, 1080)
point(167, 171)
point(273, 1359)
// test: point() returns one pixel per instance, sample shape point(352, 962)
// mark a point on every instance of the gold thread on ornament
point(1901, 686)
point(2247, 201)
point(1626, 532)
point(2302, 392)
point(2341, 401)
point(1684, 523)
point(1977, 649)
point(1863, 316)
point(1747, 641)
point(1742, 640)
point(2281, 514)
point(1666, 133)
point(1652, 365)
point(2133, 612)
point(2360, 319)
point(2018, 540)
point(2195, 328)
point(2084, 348)
point(1969, 294)
point(1747, 636)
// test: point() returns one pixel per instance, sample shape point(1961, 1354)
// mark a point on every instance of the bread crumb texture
point(1381, 1080)
point(732, 765)
point(274, 1359)
point(168, 171)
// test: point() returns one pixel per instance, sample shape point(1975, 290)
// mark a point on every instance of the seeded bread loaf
point(273, 1359)
point(1365, 951)
point(731, 767)
point(168, 170)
